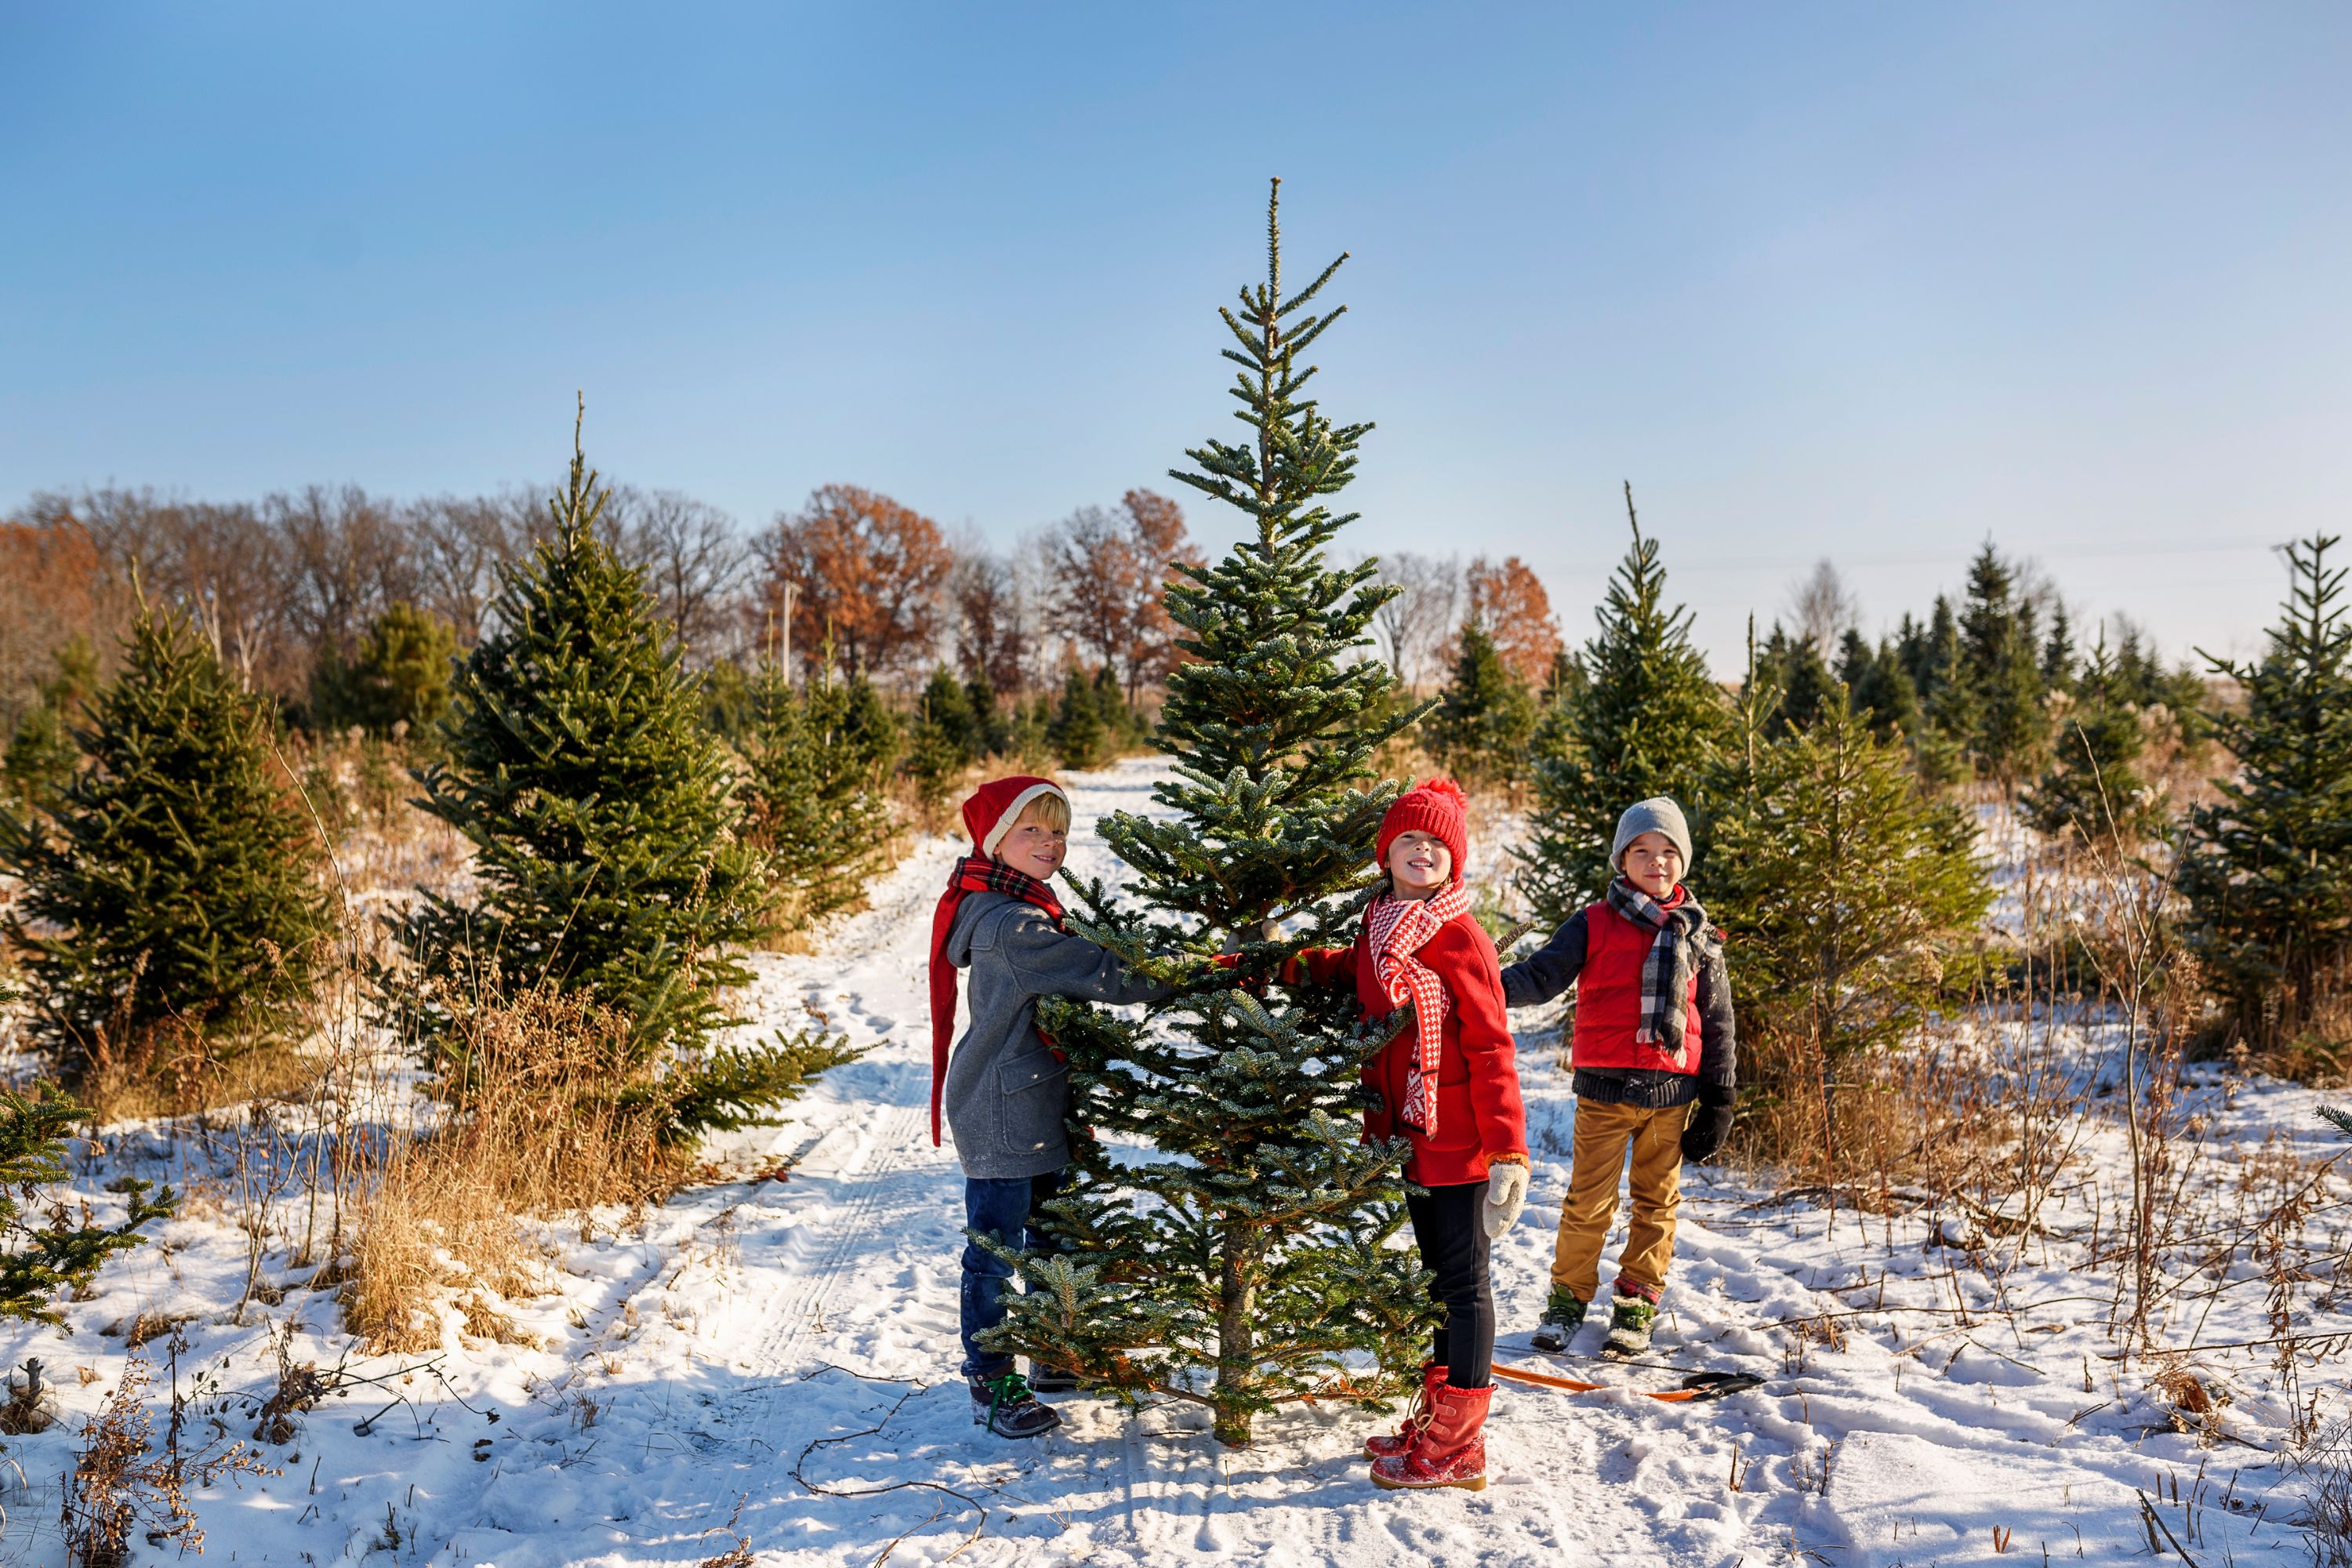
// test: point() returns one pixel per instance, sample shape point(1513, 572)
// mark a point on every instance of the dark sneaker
point(1052, 1380)
point(1630, 1319)
point(1563, 1315)
point(1005, 1406)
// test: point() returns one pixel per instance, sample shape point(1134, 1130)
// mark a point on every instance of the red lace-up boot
point(1388, 1446)
point(1450, 1449)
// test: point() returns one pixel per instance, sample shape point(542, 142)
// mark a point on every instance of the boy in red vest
point(1449, 1086)
point(1653, 1033)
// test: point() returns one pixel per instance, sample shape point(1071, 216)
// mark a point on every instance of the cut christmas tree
point(1249, 1262)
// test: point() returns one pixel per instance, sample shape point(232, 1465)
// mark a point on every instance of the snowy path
point(692, 1363)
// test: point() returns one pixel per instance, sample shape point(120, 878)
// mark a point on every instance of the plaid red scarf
point(1680, 941)
point(972, 874)
point(1396, 929)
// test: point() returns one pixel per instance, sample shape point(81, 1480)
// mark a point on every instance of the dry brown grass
point(540, 1123)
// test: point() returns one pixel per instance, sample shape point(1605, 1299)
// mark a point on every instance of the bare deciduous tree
point(1823, 608)
point(1413, 627)
point(992, 630)
point(694, 558)
point(1110, 569)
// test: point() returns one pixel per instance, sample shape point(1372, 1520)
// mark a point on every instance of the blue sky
point(1873, 282)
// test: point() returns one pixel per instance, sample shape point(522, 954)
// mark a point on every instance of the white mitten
point(1507, 1194)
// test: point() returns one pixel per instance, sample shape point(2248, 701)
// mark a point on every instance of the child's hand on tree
point(1710, 1121)
point(1507, 1194)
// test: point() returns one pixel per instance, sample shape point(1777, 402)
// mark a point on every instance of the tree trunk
point(1236, 1343)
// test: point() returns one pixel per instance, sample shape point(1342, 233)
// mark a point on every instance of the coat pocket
point(1033, 1096)
point(1029, 1070)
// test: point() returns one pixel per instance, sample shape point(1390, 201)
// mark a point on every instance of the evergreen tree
point(1848, 892)
point(1486, 716)
point(813, 795)
point(1649, 721)
point(2093, 787)
point(400, 676)
point(62, 1252)
point(2059, 660)
point(1078, 733)
point(2267, 868)
point(1260, 1243)
point(1803, 677)
point(602, 820)
point(989, 729)
point(171, 893)
point(2000, 672)
point(41, 754)
point(942, 745)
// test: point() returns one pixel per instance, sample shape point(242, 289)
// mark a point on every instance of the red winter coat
point(1608, 999)
point(1480, 1112)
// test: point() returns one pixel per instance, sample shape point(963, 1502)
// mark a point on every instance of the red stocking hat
point(991, 811)
point(988, 815)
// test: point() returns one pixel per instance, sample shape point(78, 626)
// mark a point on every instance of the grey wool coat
point(1007, 1095)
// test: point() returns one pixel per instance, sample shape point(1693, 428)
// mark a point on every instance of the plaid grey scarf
point(1683, 938)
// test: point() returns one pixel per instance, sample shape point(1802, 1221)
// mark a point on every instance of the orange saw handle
point(1696, 1389)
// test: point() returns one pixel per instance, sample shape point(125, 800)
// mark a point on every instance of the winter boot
point(1450, 1450)
point(1386, 1446)
point(1052, 1380)
point(1563, 1315)
point(1631, 1318)
point(1004, 1406)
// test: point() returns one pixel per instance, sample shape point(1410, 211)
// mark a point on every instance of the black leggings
point(1448, 1226)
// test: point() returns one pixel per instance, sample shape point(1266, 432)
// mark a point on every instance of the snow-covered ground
point(774, 1361)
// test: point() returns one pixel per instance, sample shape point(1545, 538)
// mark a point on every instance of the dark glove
point(1710, 1121)
point(1254, 983)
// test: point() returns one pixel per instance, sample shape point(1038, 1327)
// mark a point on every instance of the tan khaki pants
point(1603, 1134)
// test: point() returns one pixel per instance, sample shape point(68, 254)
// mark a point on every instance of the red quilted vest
point(1609, 1000)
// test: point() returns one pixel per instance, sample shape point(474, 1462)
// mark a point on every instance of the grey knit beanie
point(1655, 815)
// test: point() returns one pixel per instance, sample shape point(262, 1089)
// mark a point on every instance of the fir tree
point(1846, 890)
point(816, 766)
point(602, 820)
point(2267, 868)
point(41, 754)
point(1078, 733)
point(399, 677)
point(1486, 716)
point(62, 1252)
point(1649, 721)
point(2001, 673)
point(173, 892)
point(941, 745)
point(1259, 1245)
point(2093, 788)
point(1803, 677)
point(989, 729)
point(2059, 659)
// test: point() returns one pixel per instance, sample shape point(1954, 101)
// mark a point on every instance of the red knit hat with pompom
point(1438, 807)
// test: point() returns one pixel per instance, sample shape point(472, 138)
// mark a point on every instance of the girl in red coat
point(1449, 1086)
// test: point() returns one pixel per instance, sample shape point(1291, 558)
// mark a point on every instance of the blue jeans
point(1008, 1209)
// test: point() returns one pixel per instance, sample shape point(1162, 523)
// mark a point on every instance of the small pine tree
point(1486, 716)
point(62, 1253)
point(400, 676)
point(940, 745)
point(1077, 733)
point(2059, 661)
point(2093, 788)
point(1260, 1244)
point(813, 795)
point(1847, 893)
point(2267, 868)
point(988, 723)
point(2001, 673)
point(1803, 677)
point(173, 894)
point(41, 754)
point(1649, 721)
point(602, 820)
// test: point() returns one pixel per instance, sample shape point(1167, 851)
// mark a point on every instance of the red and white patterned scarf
point(1396, 929)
